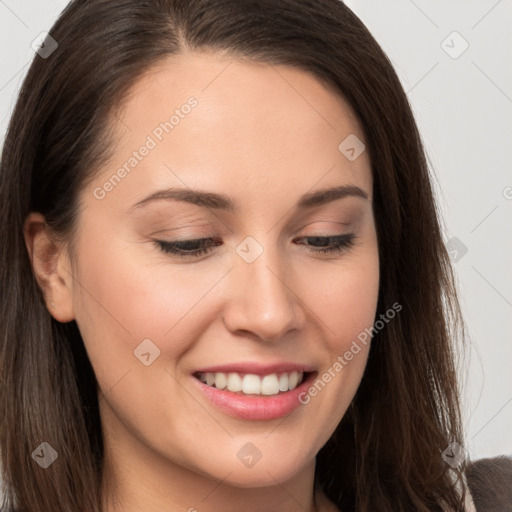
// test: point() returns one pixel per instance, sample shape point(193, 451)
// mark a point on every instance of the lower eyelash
point(341, 243)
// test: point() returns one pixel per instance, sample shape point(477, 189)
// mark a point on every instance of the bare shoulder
point(490, 483)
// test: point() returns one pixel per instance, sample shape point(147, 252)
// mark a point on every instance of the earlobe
point(49, 264)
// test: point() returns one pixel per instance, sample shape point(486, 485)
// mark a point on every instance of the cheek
point(121, 301)
point(354, 308)
point(346, 301)
point(344, 296)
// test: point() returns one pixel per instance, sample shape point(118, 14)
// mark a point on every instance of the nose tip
point(265, 302)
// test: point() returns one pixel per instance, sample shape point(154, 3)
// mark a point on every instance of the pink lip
point(254, 407)
point(256, 368)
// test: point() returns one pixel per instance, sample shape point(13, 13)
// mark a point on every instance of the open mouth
point(251, 384)
point(255, 393)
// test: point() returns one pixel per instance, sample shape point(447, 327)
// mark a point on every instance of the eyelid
point(212, 230)
point(334, 227)
point(209, 230)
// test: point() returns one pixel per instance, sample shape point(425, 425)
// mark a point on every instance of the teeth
point(220, 380)
point(270, 385)
point(234, 382)
point(283, 382)
point(251, 384)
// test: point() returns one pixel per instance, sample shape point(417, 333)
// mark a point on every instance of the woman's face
point(261, 299)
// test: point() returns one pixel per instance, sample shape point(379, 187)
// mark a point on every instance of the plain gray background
point(453, 58)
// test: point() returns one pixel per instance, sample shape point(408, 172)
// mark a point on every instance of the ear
point(51, 267)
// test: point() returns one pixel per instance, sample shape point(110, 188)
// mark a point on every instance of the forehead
point(233, 126)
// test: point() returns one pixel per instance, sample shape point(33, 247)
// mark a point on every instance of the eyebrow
point(223, 202)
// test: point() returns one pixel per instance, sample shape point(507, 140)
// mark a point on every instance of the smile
point(254, 392)
point(252, 384)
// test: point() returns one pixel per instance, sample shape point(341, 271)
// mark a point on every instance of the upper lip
point(256, 368)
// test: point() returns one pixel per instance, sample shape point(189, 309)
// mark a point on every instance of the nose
point(264, 297)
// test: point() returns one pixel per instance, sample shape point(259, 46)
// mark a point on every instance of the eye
point(188, 248)
point(332, 244)
point(197, 247)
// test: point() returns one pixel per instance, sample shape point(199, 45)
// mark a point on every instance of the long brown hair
point(386, 452)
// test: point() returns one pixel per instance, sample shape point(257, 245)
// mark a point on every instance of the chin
point(254, 478)
point(264, 473)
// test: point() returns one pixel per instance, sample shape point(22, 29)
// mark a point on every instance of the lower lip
point(255, 407)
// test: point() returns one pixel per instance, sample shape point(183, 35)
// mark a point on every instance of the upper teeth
point(250, 383)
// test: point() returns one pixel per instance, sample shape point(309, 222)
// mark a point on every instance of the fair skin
point(263, 136)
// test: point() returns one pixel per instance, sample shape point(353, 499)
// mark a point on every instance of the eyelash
point(344, 242)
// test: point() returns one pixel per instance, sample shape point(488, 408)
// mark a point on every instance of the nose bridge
point(264, 302)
